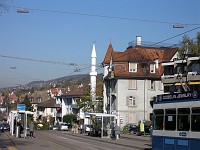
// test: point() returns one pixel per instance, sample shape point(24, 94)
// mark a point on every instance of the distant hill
point(59, 82)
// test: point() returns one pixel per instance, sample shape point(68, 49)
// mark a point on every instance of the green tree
point(70, 119)
point(27, 103)
point(86, 102)
point(190, 46)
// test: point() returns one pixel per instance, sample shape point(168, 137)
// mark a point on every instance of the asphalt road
point(63, 140)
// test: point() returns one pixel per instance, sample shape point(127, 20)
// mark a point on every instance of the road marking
point(11, 148)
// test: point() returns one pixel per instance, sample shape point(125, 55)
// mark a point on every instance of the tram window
point(170, 119)
point(159, 117)
point(195, 119)
point(183, 123)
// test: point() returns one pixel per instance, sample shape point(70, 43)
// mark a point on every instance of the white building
point(132, 79)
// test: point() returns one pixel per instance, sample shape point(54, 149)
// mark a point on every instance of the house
point(56, 92)
point(181, 75)
point(12, 97)
point(131, 79)
point(36, 98)
point(47, 109)
point(1, 100)
point(67, 103)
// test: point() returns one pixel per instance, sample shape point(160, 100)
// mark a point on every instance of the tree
point(70, 119)
point(86, 102)
point(27, 103)
point(190, 46)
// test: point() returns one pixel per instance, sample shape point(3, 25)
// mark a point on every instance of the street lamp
point(22, 10)
point(178, 26)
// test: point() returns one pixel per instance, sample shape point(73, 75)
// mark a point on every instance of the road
point(62, 140)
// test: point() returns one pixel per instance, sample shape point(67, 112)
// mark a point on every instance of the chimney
point(138, 40)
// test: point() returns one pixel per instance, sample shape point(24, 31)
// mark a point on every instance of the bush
point(125, 130)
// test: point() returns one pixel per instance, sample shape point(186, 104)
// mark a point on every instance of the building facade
point(131, 79)
point(181, 75)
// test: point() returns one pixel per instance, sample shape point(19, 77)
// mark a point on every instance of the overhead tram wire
point(46, 61)
point(163, 41)
point(106, 16)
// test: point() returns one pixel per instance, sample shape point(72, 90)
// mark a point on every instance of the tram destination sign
point(194, 95)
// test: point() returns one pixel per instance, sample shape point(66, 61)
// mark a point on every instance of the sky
point(64, 31)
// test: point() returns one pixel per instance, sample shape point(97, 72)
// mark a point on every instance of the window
point(69, 101)
point(183, 119)
point(152, 68)
point(170, 119)
point(159, 118)
point(131, 101)
point(39, 100)
point(132, 67)
point(183, 122)
point(132, 84)
point(195, 119)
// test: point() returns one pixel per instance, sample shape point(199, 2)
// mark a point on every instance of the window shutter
point(148, 83)
point(132, 84)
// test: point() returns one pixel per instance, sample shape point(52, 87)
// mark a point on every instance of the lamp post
point(178, 26)
point(22, 10)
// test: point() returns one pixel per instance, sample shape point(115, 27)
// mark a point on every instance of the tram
point(176, 121)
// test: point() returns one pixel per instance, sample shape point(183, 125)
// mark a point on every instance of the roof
point(143, 56)
point(108, 54)
point(75, 93)
point(48, 104)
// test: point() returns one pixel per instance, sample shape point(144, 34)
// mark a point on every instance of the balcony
point(193, 76)
point(167, 79)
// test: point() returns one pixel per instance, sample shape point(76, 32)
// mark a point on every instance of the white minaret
point(93, 74)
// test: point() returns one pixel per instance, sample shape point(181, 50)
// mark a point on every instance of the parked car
point(4, 126)
point(63, 127)
point(131, 128)
point(88, 128)
point(54, 127)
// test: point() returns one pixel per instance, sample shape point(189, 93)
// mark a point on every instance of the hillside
point(58, 82)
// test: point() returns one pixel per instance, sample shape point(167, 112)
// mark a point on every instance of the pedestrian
point(76, 128)
point(151, 132)
point(117, 132)
point(81, 128)
point(108, 131)
point(31, 129)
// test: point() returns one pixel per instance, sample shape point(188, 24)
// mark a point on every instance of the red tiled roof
point(1, 98)
point(13, 97)
point(56, 90)
point(141, 56)
point(108, 54)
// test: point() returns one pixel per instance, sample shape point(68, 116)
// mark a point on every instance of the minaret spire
point(93, 74)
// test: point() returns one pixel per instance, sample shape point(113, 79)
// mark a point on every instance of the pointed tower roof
point(93, 51)
point(108, 54)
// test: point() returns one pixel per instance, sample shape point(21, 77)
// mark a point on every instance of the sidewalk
point(129, 140)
